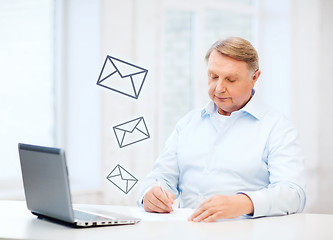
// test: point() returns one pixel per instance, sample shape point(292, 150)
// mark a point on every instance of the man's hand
point(219, 206)
point(156, 201)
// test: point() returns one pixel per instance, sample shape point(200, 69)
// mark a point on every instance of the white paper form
point(179, 214)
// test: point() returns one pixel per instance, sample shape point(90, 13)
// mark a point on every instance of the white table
point(16, 222)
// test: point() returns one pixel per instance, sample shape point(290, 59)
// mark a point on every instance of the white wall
point(325, 110)
point(77, 68)
point(312, 35)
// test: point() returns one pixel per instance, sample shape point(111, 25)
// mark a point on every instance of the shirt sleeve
point(285, 193)
point(165, 169)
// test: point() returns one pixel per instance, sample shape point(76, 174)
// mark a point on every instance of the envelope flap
point(126, 175)
point(126, 69)
point(130, 184)
point(119, 182)
point(115, 172)
point(142, 127)
point(128, 126)
point(138, 80)
point(107, 71)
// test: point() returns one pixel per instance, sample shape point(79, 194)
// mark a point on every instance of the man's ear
point(256, 76)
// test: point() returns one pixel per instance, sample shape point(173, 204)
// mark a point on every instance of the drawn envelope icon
point(122, 179)
point(131, 132)
point(122, 77)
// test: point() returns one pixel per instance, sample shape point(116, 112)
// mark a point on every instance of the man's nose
point(220, 86)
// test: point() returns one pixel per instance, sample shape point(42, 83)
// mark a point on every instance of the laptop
point(47, 191)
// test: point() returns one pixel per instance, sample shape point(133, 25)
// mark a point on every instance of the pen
point(162, 188)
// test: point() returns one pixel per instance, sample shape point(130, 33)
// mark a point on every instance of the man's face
point(230, 82)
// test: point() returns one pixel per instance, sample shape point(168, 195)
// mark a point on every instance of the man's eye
point(213, 76)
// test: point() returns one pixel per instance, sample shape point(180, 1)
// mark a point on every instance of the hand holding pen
point(157, 199)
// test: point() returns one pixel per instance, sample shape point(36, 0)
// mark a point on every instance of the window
point(27, 91)
point(48, 94)
point(178, 55)
point(222, 23)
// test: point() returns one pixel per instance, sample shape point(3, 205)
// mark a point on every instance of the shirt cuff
point(260, 201)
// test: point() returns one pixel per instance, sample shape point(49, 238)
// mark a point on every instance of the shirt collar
point(209, 109)
point(253, 107)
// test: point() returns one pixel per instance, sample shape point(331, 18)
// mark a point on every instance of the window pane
point(177, 58)
point(26, 92)
point(221, 24)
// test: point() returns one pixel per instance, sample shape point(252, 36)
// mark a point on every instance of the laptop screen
point(45, 180)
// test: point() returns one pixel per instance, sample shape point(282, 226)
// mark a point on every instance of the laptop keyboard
point(83, 216)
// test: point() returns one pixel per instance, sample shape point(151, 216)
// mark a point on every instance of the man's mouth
point(222, 99)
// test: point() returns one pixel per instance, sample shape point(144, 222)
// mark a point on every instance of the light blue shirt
point(254, 151)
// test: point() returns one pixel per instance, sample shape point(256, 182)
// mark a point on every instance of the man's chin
point(223, 111)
